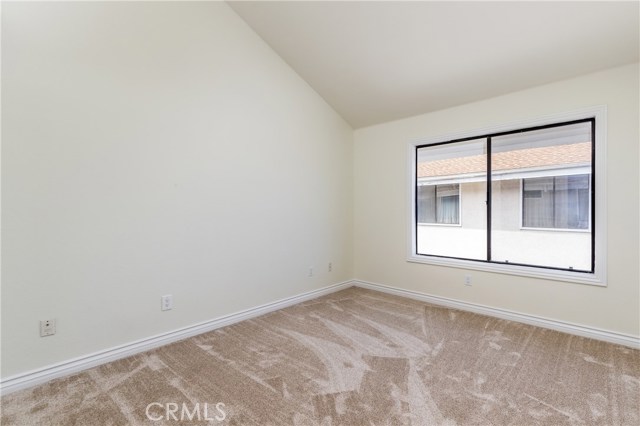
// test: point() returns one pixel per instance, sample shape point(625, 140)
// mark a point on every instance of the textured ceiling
point(379, 61)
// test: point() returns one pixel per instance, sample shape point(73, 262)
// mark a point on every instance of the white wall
point(380, 209)
point(150, 149)
point(163, 148)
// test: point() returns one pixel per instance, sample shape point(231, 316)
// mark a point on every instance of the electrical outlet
point(311, 271)
point(330, 268)
point(166, 302)
point(467, 280)
point(47, 327)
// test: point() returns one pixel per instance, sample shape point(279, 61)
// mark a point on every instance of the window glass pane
point(572, 202)
point(451, 200)
point(439, 204)
point(541, 197)
point(537, 208)
point(427, 204)
point(448, 203)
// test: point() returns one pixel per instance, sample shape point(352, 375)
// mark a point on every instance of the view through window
point(521, 197)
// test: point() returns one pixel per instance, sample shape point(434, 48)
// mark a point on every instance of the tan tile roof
point(557, 155)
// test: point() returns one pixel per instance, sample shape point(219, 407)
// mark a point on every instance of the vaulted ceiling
point(379, 61)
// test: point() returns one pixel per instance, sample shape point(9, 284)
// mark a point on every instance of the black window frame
point(488, 137)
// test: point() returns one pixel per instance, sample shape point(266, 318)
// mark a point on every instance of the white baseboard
point(42, 375)
point(565, 327)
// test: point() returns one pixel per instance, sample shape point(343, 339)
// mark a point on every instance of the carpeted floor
point(355, 357)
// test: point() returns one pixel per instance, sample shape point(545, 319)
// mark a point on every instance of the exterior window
point(523, 194)
point(439, 204)
point(556, 202)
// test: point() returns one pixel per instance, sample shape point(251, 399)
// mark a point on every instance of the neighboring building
point(540, 196)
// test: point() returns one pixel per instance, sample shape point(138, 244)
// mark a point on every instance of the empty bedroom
point(320, 213)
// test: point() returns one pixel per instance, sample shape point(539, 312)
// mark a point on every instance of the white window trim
point(599, 277)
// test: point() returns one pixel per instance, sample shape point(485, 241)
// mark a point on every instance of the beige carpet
point(355, 357)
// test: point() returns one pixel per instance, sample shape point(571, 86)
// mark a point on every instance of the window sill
point(582, 231)
point(517, 270)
